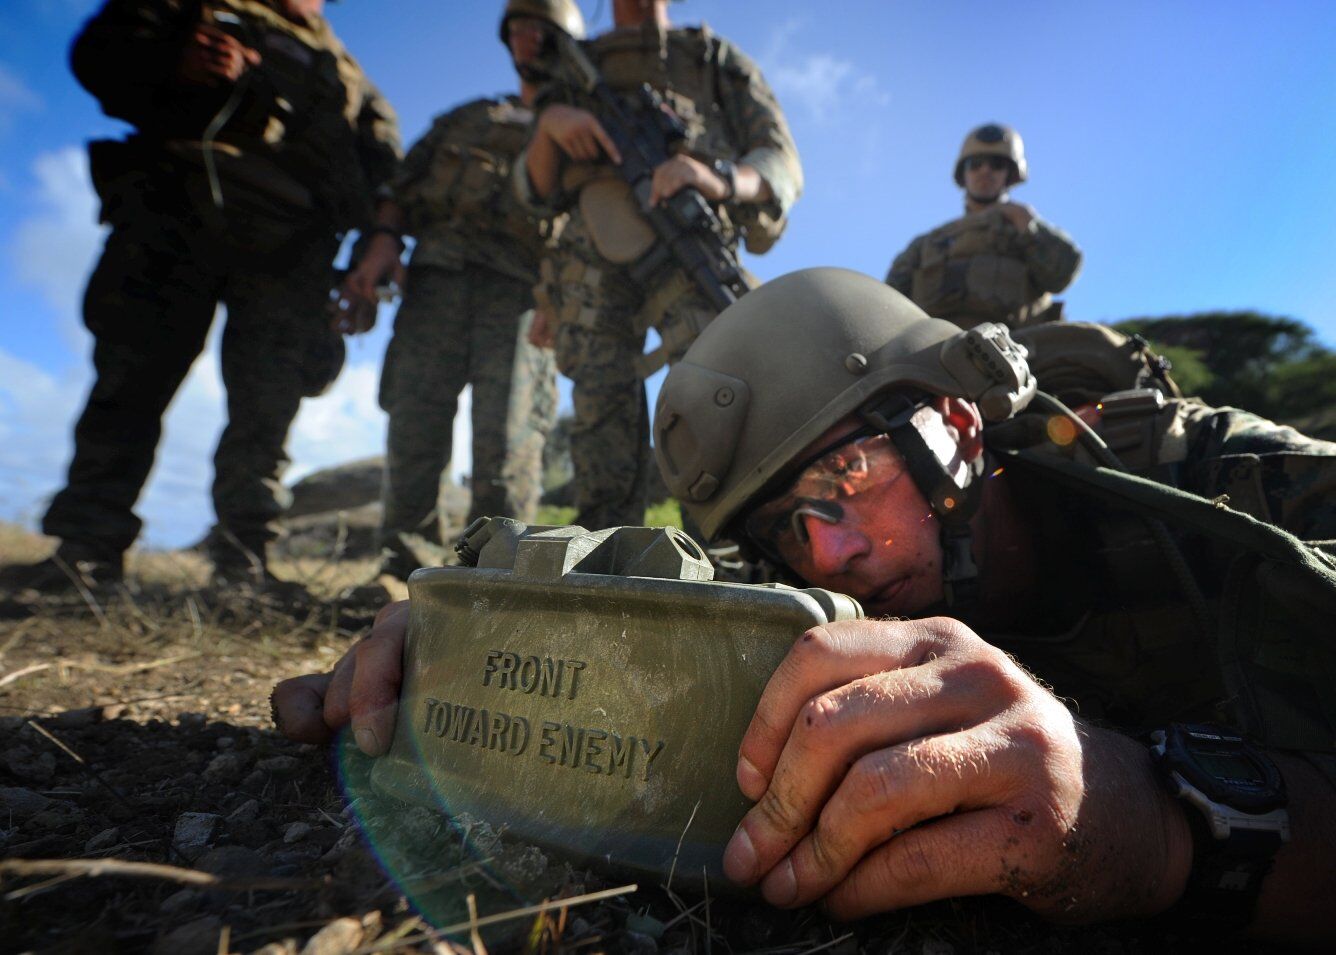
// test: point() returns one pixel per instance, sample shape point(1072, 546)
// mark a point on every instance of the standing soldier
point(999, 262)
point(465, 315)
point(258, 141)
point(737, 153)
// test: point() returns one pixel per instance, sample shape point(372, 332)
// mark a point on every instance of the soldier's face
point(525, 36)
point(884, 549)
point(302, 9)
point(986, 177)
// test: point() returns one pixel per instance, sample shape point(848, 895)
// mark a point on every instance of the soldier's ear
point(963, 419)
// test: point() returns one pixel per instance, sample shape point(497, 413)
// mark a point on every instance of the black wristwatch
point(1235, 804)
point(727, 170)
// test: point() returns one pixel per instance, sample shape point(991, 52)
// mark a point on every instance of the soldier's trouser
point(454, 328)
point(610, 435)
point(149, 304)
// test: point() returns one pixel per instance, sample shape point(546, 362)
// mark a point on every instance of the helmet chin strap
point(985, 201)
point(953, 504)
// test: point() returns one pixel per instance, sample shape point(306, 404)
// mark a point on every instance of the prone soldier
point(737, 152)
point(467, 301)
point(918, 468)
point(258, 141)
point(999, 262)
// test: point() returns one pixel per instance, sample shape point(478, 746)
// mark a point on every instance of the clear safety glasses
point(822, 489)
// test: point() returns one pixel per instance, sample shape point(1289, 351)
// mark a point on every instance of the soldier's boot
point(75, 566)
point(389, 584)
point(242, 568)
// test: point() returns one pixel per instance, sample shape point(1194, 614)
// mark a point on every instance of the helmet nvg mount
point(562, 14)
point(792, 358)
point(993, 139)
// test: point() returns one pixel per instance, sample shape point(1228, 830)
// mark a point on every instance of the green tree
point(1267, 364)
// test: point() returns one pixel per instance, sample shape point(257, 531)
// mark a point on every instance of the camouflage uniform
point(463, 321)
point(604, 314)
point(1111, 626)
point(981, 268)
point(291, 178)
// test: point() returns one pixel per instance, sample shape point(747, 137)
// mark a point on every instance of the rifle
point(690, 232)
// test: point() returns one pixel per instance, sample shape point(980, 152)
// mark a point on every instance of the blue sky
point(1189, 147)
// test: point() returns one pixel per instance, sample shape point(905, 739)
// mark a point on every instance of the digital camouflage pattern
point(603, 313)
point(981, 268)
point(454, 189)
point(462, 322)
point(458, 327)
point(173, 255)
point(1116, 633)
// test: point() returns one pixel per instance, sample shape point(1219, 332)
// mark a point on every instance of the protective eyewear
point(995, 163)
point(832, 480)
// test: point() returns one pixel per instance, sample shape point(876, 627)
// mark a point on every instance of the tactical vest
point(973, 270)
point(681, 65)
point(464, 190)
point(293, 127)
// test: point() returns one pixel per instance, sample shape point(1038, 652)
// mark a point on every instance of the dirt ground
point(146, 804)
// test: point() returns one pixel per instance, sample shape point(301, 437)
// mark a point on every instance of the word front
point(544, 676)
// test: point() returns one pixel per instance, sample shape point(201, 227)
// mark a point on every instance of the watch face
point(1232, 767)
point(1224, 767)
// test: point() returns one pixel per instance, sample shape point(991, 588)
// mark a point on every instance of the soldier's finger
point(836, 729)
point(947, 858)
point(340, 688)
point(889, 791)
point(297, 707)
point(374, 700)
point(822, 659)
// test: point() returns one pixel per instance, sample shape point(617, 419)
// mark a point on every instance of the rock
point(297, 832)
point(225, 742)
point(114, 711)
point(192, 721)
point(255, 781)
point(199, 937)
point(637, 944)
point(286, 947)
point(226, 768)
point(21, 803)
point(339, 937)
point(938, 946)
point(338, 488)
point(103, 840)
point(75, 719)
point(179, 903)
point(193, 833)
point(279, 765)
point(248, 811)
point(57, 817)
point(232, 862)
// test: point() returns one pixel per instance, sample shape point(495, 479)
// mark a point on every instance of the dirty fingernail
point(740, 857)
point(367, 741)
point(750, 780)
point(781, 886)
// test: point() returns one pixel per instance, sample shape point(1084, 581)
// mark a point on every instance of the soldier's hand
point(212, 57)
point(543, 329)
point(899, 762)
point(1018, 214)
point(362, 689)
point(675, 174)
point(577, 133)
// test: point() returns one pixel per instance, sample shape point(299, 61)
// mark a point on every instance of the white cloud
point(822, 83)
point(54, 249)
point(15, 98)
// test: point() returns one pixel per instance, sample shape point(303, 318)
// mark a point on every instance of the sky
point(1188, 147)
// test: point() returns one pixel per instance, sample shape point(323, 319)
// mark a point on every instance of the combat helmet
point(993, 139)
point(563, 14)
point(792, 358)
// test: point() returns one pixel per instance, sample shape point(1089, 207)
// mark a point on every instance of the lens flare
point(1061, 430)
